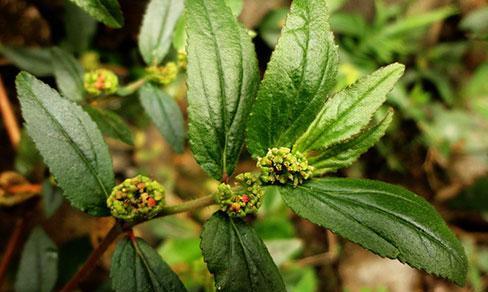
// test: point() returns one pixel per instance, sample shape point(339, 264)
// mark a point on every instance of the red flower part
point(151, 202)
point(245, 198)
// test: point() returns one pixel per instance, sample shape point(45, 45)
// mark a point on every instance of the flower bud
point(182, 59)
point(138, 198)
point(243, 200)
point(162, 75)
point(281, 166)
point(100, 81)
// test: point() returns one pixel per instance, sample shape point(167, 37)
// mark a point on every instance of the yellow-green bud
point(244, 200)
point(182, 59)
point(163, 75)
point(90, 60)
point(138, 198)
point(100, 81)
point(281, 166)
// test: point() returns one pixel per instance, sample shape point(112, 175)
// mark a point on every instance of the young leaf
point(386, 219)
point(34, 60)
point(79, 26)
point(110, 124)
point(165, 113)
point(68, 73)
point(157, 29)
point(349, 111)
point(301, 72)
point(344, 154)
point(136, 266)
point(237, 257)
point(38, 268)
point(70, 143)
point(106, 11)
point(222, 82)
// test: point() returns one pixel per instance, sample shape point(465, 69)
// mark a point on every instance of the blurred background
point(437, 145)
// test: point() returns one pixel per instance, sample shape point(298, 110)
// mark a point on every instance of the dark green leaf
point(136, 266)
point(165, 113)
point(80, 27)
point(386, 219)
point(38, 267)
point(70, 143)
point(110, 124)
point(237, 257)
point(157, 29)
point(301, 72)
point(68, 73)
point(34, 60)
point(27, 157)
point(52, 198)
point(349, 111)
point(222, 82)
point(344, 154)
point(106, 11)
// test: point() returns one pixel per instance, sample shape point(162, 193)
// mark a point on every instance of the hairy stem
point(119, 228)
point(12, 246)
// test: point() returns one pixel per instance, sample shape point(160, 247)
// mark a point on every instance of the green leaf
point(136, 266)
point(301, 72)
point(349, 111)
point(386, 219)
point(34, 60)
point(52, 198)
point(237, 257)
point(344, 154)
point(70, 143)
point(157, 29)
point(38, 268)
point(165, 113)
point(106, 11)
point(110, 124)
point(80, 27)
point(235, 6)
point(68, 73)
point(222, 82)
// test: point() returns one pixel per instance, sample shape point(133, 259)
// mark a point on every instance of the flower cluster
point(162, 75)
point(243, 200)
point(100, 81)
point(281, 166)
point(136, 199)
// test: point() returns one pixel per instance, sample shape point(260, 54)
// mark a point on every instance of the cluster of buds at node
point(162, 75)
point(100, 82)
point(136, 199)
point(182, 59)
point(282, 166)
point(243, 200)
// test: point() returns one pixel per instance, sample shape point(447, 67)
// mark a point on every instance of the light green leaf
point(222, 82)
point(157, 29)
point(235, 6)
point(136, 266)
point(165, 113)
point(106, 11)
point(111, 124)
point(70, 143)
point(349, 111)
point(301, 72)
point(237, 256)
point(80, 28)
point(344, 154)
point(34, 60)
point(38, 268)
point(386, 219)
point(68, 73)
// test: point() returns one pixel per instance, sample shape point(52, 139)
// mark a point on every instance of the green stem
point(187, 206)
point(131, 87)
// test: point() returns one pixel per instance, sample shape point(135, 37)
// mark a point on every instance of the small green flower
point(182, 59)
point(100, 81)
point(162, 75)
point(243, 200)
point(138, 198)
point(281, 166)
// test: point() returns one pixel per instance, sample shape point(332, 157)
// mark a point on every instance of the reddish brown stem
point(34, 188)
point(12, 245)
point(8, 116)
point(92, 261)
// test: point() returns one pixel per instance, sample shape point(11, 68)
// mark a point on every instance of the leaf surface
point(68, 74)
point(386, 219)
point(106, 11)
point(111, 124)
